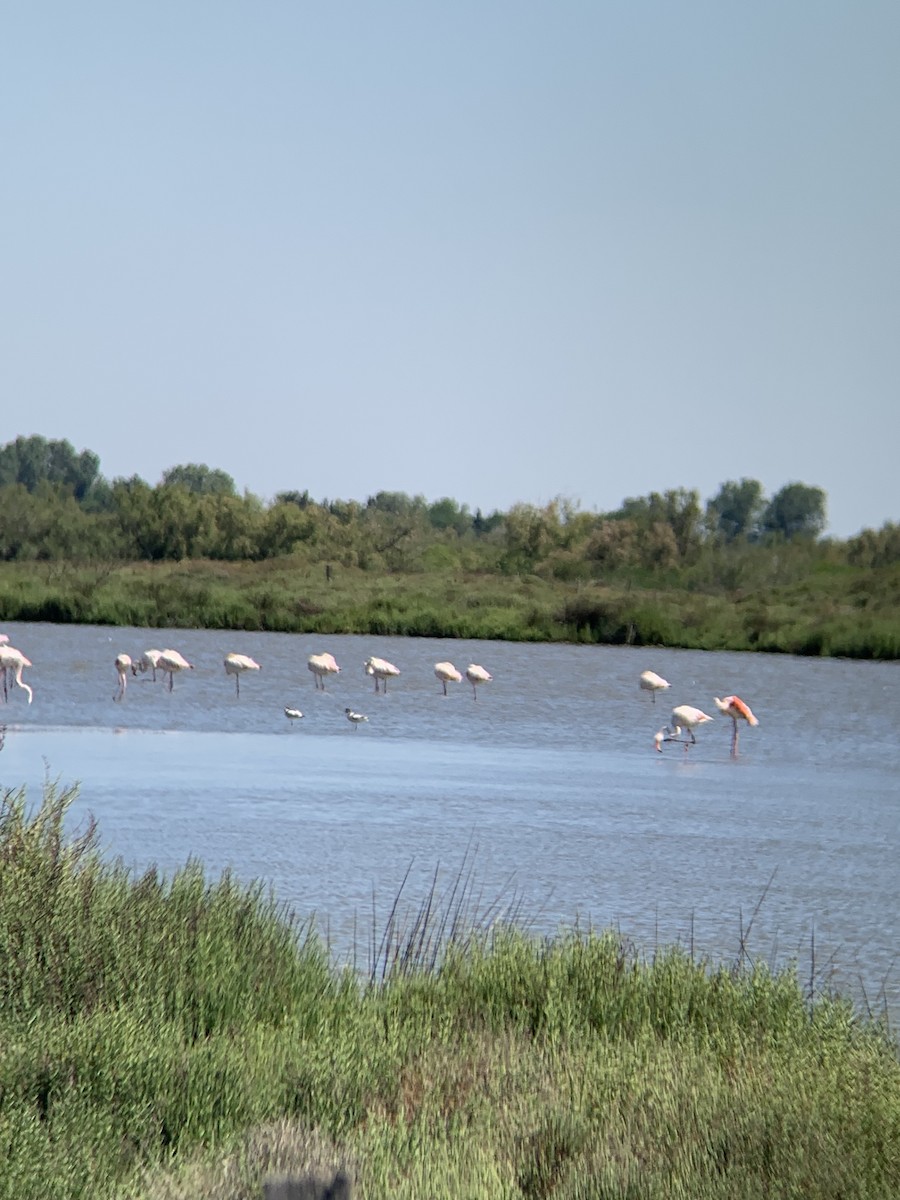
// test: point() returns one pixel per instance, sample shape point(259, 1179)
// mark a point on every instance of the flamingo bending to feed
point(123, 662)
point(686, 717)
point(734, 707)
point(13, 662)
point(171, 661)
point(293, 714)
point(321, 666)
point(236, 664)
point(447, 673)
point(653, 683)
point(381, 669)
point(476, 675)
point(148, 661)
point(355, 718)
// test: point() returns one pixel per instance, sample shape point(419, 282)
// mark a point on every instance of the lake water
point(547, 789)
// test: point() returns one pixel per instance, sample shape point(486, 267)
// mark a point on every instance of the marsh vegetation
point(185, 1037)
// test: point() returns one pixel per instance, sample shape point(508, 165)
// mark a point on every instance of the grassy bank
point(183, 1038)
point(840, 611)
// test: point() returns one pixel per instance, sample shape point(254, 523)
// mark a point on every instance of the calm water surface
point(549, 783)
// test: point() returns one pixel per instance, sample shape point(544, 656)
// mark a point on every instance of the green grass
point(184, 1038)
point(831, 611)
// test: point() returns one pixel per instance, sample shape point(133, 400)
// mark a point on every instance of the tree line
point(56, 505)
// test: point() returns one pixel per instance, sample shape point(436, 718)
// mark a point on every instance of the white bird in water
point(686, 717)
point(476, 675)
point(734, 707)
point(148, 661)
point(171, 661)
point(321, 666)
point(123, 662)
point(293, 714)
point(236, 664)
point(13, 662)
point(653, 683)
point(447, 673)
point(382, 670)
point(355, 718)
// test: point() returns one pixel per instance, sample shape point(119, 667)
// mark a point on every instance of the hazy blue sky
point(496, 251)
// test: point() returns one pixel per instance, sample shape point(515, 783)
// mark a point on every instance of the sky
point(501, 251)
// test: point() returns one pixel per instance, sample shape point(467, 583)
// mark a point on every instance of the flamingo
point(236, 664)
point(355, 718)
point(148, 661)
point(476, 675)
point(321, 666)
point(123, 662)
point(685, 716)
point(13, 662)
point(4, 638)
point(293, 714)
point(734, 707)
point(653, 683)
point(381, 669)
point(171, 661)
point(447, 673)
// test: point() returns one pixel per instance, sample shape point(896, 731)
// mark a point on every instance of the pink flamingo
point(447, 673)
point(322, 665)
point(734, 707)
point(236, 664)
point(171, 661)
point(381, 669)
point(686, 717)
point(123, 662)
point(476, 675)
point(13, 662)
point(653, 683)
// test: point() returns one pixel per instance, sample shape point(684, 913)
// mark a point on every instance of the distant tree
point(301, 499)
point(736, 509)
point(482, 524)
point(399, 503)
point(32, 461)
point(199, 479)
point(795, 511)
point(447, 514)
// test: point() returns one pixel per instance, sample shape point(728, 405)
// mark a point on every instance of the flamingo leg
point(237, 685)
point(734, 738)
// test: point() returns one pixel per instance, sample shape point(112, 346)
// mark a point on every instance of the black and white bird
point(293, 714)
point(355, 718)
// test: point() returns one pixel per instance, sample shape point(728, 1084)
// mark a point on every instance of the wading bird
point(382, 670)
point(447, 673)
point(686, 717)
point(653, 683)
point(355, 718)
point(321, 666)
point(12, 663)
point(734, 707)
point(171, 661)
point(293, 714)
point(148, 661)
point(123, 662)
point(236, 664)
point(476, 675)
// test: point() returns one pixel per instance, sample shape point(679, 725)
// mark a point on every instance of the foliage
point(199, 479)
point(183, 1038)
point(645, 560)
point(795, 511)
point(32, 461)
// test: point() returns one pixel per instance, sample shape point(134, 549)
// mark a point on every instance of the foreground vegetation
point(183, 1038)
